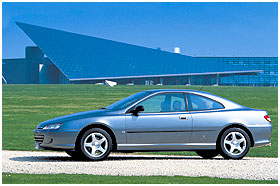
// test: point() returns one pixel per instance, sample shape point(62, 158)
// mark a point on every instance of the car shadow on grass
point(110, 158)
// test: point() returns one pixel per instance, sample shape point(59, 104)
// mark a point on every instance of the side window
point(196, 103)
point(171, 102)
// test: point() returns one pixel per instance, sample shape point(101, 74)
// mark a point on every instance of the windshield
point(127, 101)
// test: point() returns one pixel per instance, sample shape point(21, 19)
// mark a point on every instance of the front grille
point(39, 138)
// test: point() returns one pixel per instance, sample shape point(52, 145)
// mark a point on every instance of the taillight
point(267, 118)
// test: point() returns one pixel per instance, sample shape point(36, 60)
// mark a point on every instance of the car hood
point(79, 115)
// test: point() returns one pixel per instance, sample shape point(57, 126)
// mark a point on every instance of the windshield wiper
point(103, 108)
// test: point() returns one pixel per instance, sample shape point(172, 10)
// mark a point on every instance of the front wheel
point(207, 154)
point(234, 143)
point(95, 144)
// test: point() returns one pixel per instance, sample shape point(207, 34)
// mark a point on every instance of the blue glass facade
point(269, 76)
point(76, 58)
point(17, 71)
point(14, 71)
point(87, 58)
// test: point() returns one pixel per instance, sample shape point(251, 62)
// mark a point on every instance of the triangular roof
point(86, 57)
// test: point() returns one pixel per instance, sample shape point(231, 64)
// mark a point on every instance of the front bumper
point(55, 139)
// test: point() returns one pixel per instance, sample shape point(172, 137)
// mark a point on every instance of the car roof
point(207, 94)
point(175, 90)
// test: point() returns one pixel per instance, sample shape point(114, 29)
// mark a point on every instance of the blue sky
point(199, 29)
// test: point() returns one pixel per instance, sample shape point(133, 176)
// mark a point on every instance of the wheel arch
point(101, 126)
point(236, 125)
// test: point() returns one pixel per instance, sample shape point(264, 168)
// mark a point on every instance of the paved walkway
point(140, 165)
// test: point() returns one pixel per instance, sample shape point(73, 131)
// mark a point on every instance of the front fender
point(116, 124)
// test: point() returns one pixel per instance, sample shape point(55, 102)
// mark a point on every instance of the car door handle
point(183, 117)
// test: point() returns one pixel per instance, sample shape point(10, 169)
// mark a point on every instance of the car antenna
point(201, 88)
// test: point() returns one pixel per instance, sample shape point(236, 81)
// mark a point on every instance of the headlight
point(53, 126)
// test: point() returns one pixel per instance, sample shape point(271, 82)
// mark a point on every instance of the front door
point(164, 123)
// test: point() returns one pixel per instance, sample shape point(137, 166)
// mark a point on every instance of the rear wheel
point(207, 154)
point(95, 144)
point(234, 143)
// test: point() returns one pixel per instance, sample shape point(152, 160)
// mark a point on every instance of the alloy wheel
point(95, 144)
point(235, 143)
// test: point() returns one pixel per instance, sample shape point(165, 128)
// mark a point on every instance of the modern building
point(268, 76)
point(62, 58)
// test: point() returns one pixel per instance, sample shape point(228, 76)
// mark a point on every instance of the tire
point(96, 140)
point(234, 143)
point(207, 154)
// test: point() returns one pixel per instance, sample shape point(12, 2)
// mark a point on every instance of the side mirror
point(138, 109)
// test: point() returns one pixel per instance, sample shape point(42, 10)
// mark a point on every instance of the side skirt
point(166, 147)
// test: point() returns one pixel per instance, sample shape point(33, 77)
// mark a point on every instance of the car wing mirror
point(138, 109)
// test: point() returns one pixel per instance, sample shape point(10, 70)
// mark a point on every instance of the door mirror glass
point(138, 109)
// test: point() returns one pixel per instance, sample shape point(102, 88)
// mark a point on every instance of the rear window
point(197, 103)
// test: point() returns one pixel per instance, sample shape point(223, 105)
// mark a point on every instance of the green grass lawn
point(8, 178)
point(25, 106)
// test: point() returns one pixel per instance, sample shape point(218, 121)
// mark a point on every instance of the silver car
point(159, 120)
